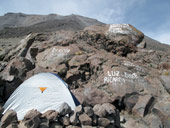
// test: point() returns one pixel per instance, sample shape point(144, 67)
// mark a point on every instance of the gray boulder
point(64, 109)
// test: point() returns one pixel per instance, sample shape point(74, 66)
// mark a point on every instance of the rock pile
point(101, 64)
point(101, 115)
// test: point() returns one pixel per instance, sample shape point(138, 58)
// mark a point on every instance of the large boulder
point(116, 38)
point(126, 32)
point(52, 57)
point(14, 74)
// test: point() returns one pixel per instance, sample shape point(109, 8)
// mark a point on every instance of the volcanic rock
point(107, 68)
point(65, 120)
point(99, 110)
point(85, 119)
point(32, 114)
point(9, 118)
point(89, 111)
point(104, 122)
point(50, 115)
point(64, 109)
point(143, 105)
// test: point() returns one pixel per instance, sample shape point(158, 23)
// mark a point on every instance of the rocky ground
point(118, 82)
point(105, 115)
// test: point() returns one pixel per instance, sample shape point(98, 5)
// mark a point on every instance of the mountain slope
point(156, 45)
point(19, 24)
point(104, 70)
point(14, 25)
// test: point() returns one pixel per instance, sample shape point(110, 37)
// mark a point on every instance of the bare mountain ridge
point(156, 45)
point(24, 20)
point(14, 25)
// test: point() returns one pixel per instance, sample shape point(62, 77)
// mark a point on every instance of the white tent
point(44, 91)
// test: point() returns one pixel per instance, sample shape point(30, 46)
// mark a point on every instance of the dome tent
point(44, 91)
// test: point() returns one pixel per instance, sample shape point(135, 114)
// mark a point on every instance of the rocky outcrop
point(117, 81)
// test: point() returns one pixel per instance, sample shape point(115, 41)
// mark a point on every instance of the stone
point(32, 114)
point(77, 60)
point(64, 109)
point(78, 110)
point(95, 120)
point(12, 126)
point(2, 65)
point(55, 125)
point(65, 120)
point(110, 109)
point(32, 122)
point(99, 110)
point(166, 122)
point(8, 118)
point(74, 119)
point(164, 66)
point(161, 109)
point(129, 101)
point(143, 105)
point(122, 119)
point(166, 82)
point(44, 123)
point(51, 115)
point(153, 121)
point(61, 69)
point(85, 119)
point(131, 34)
point(92, 96)
point(142, 45)
point(26, 44)
point(52, 57)
point(33, 52)
point(14, 74)
point(89, 111)
point(131, 123)
point(104, 122)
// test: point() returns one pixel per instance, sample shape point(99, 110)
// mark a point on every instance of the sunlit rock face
point(125, 32)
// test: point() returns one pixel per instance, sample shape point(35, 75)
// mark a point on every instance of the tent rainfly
point(44, 91)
